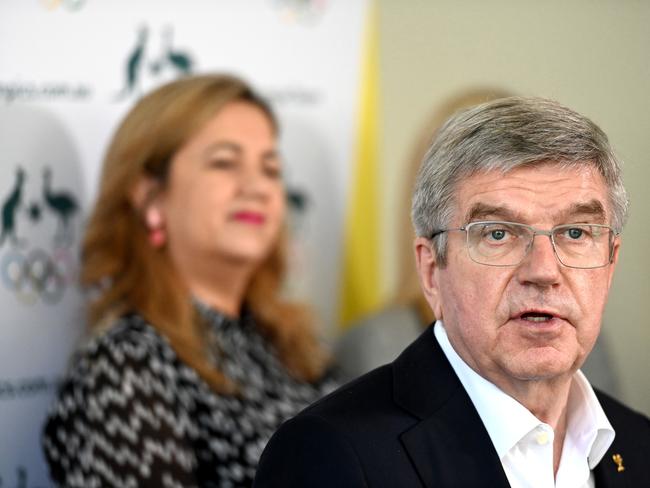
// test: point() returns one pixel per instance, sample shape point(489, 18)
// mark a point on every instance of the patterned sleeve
point(118, 421)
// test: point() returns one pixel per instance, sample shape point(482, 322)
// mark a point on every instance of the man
point(517, 210)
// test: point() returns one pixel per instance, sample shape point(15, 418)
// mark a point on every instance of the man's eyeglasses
point(496, 243)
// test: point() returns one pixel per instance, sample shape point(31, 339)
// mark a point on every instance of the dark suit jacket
point(411, 424)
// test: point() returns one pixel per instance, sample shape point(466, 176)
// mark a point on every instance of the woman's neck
point(220, 286)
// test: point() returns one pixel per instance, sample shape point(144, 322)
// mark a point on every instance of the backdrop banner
point(69, 70)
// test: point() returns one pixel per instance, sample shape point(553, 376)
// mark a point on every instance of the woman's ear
point(144, 192)
point(145, 198)
point(427, 266)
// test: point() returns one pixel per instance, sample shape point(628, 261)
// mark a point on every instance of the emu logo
point(140, 63)
point(30, 271)
point(63, 205)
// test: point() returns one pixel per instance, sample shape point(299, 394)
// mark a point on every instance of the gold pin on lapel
point(618, 459)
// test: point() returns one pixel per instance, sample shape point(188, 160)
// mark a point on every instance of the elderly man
point(518, 209)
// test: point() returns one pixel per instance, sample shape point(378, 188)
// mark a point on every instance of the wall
point(69, 70)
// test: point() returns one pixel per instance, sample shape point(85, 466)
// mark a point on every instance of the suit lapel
point(606, 474)
point(452, 448)
point(450, 445)
point(630, 447)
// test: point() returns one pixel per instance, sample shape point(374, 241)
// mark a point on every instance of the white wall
point(64, 84)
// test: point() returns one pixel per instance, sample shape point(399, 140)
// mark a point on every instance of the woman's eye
point(273, 172)
point(222, 163)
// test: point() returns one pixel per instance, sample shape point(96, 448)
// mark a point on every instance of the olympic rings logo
point(38, 274)
point(69, 4)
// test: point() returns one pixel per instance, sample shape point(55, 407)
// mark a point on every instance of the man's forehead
point(530, 192)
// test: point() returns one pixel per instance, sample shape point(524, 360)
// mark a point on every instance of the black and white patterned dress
point(132, 414)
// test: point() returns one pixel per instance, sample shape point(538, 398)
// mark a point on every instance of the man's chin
point(538, 366)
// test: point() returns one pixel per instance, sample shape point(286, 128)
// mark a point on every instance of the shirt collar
point(508, 421)
point(587, 425)
point(220, 321)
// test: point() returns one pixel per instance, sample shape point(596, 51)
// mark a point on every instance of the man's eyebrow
point(592, 208)
point(482, 211)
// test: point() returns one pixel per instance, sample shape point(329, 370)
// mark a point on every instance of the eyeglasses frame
point(549, 233)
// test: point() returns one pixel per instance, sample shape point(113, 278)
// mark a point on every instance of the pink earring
point(157, 236)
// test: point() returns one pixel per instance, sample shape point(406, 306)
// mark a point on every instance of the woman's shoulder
point(130, 360)
point(130, 335)
point(119, 400)
point(130, 345)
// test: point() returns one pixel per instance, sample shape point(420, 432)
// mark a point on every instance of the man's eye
point(580, 233)
point(497, 234)
point(575, 233)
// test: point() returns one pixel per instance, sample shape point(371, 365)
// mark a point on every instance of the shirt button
point(542, 438)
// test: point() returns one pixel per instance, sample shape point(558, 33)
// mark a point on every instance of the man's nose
point(540, 266)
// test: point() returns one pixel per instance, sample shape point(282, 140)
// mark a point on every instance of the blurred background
point(592, 56)
point(358, 86)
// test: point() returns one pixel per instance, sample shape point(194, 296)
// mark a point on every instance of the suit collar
point(449, 446)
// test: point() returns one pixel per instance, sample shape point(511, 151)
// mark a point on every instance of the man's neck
point(547, 400)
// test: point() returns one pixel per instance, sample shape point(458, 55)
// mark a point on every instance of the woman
point(196, 359)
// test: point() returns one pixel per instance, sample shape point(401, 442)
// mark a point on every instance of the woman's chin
point(245, 253)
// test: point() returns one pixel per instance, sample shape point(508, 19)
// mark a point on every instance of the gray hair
point(503, 135)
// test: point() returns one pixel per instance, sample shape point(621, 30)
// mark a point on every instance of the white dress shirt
point(523, 442)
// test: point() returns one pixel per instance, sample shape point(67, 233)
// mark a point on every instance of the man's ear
point(426, 262)
point(612, 265)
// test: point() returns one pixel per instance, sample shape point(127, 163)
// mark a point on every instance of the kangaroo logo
point(180, 62)
point(10, 209)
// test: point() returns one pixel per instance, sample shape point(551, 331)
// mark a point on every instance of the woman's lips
point(254, 218)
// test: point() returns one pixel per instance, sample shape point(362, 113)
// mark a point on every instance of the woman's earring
point(157, 235)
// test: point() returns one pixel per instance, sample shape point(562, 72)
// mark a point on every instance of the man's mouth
point(536, 317)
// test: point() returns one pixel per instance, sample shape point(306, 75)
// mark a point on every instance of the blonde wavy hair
point(125, 273)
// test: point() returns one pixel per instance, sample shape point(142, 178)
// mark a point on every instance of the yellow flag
point(361, 277)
